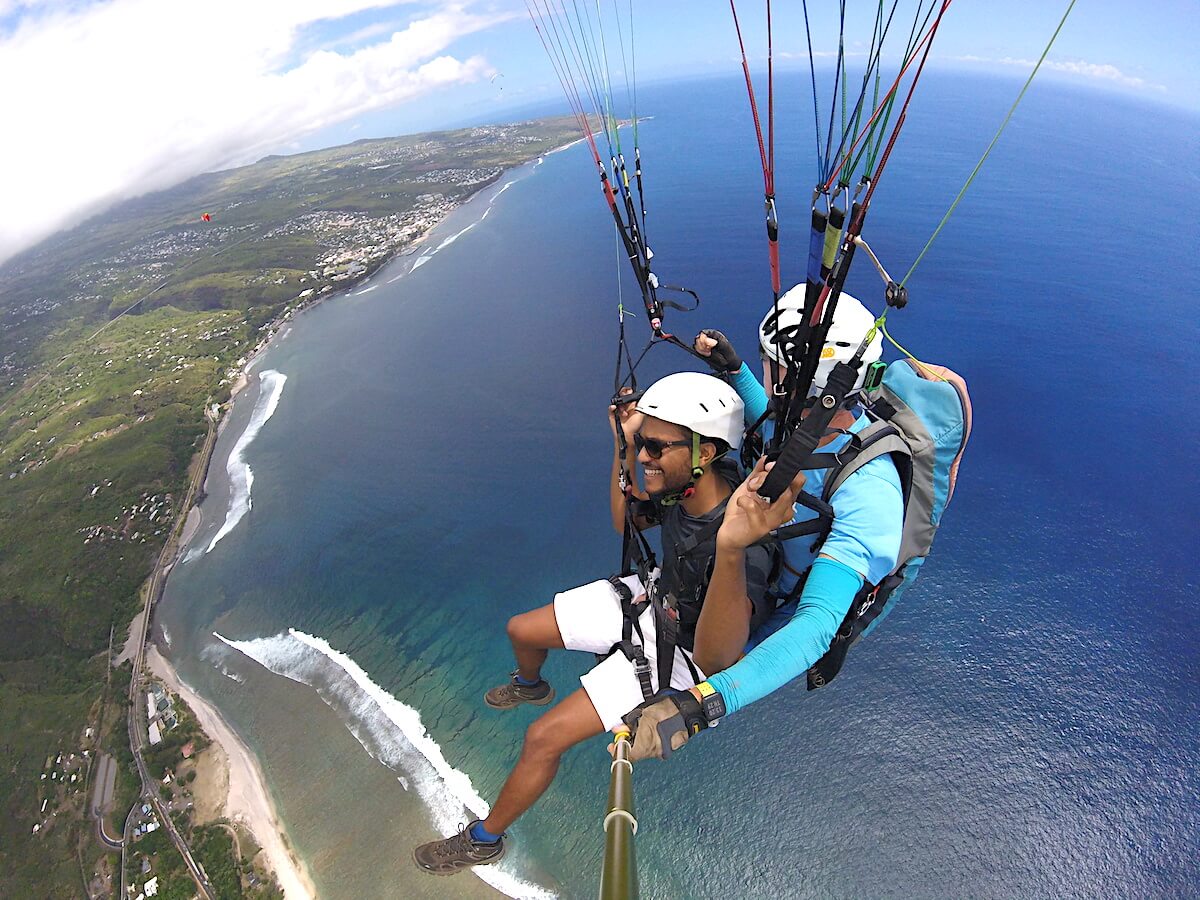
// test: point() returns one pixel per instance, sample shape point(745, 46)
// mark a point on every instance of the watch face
point(714, 707)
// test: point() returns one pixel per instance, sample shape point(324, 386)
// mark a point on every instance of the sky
point(104, 100)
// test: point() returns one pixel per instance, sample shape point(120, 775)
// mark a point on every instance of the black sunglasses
point(654, 447)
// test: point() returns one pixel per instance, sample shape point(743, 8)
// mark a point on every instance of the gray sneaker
point(457, 852)
point(513, 694)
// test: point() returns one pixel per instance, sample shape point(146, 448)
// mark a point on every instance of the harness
point(638, 559)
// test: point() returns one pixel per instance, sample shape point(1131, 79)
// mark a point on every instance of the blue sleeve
point(790, 651)
point(751, 391)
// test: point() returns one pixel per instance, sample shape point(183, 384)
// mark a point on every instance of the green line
point(842, 62)
point(983, 159)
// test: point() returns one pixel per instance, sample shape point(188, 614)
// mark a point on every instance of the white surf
point(388, 729)
point(241, 477)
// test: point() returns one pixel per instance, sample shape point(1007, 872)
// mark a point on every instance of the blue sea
point(420, 459)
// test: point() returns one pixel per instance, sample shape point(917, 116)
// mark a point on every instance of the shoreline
point(247, 799)
point(274, 329)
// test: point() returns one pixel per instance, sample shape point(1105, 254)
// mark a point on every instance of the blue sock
point(526, 681)
point(482, 835)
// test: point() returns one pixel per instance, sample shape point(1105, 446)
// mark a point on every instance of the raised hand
point(749, 517)
point(717, 352)
point(628, 415)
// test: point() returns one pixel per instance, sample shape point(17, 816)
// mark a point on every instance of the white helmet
point(851, 322)
point(698, 402)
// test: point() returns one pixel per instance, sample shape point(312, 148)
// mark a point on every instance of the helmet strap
point(697, 472)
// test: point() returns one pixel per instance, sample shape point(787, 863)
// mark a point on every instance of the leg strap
point(632, 650)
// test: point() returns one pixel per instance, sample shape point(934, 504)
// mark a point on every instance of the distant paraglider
point(206, 217)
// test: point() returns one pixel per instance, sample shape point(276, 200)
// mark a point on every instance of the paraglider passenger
point(686, 430)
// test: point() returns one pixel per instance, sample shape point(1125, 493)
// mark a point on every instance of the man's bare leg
point(572, 721)
point(532, 634)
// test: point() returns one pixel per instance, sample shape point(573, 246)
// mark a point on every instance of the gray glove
point(663, 724)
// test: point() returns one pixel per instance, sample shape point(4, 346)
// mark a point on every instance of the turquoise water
point(438, 458)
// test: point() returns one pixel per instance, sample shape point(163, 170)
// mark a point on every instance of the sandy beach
point(248, 801)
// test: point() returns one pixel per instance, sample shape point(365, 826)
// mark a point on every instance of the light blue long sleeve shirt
point(789, 652)
point(863, 545)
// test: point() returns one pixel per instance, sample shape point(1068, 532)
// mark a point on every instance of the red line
point(768, 169)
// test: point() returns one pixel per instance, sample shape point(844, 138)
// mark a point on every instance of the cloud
point(110, 100)
point(1098, 71)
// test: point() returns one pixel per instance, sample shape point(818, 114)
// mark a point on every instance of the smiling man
point(683, 430)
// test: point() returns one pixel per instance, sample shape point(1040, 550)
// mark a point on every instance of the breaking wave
point(389, 730)
point(454, 237)
point(241, 478)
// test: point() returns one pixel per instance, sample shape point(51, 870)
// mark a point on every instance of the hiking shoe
point(457, 852)
point(513, 694)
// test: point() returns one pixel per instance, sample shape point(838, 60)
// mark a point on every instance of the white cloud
point(111, 100)
point(1098, 71)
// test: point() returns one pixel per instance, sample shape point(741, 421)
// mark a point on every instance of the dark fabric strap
point(630, 612)
point(818, 525)
point(666, 634)
point(868, 604)
point(856, 450)
point(805, 438)
point(705, 532)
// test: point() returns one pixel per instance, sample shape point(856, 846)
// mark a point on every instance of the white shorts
point(589, 619)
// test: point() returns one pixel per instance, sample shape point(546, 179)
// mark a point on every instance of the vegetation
point(214, 850)
point(114, 339)
point(174, 880)
point(167, 756)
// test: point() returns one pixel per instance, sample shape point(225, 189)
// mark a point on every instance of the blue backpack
point(921, 416)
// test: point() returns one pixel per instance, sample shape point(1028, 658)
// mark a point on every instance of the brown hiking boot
point(512, 694)
point(457, 852)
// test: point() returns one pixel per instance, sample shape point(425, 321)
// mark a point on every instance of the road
point(137, 737)
point(106, 778)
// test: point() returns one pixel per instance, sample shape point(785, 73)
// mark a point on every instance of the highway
point(137, 684)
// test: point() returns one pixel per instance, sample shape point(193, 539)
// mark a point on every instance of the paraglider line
point(987, 152)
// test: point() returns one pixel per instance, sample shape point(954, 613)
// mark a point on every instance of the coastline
point(349, 285)
point(193, 517)
point(247, 800)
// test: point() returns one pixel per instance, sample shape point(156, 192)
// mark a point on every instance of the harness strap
point(876, 440)
point(689, 544)
point(803, 441)
point(630, 613)
point(816, 504)
point(819, 525)
point(636, 552)
point(868, 603)
point(666, 637)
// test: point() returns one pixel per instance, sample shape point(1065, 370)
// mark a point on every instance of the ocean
point(420, 459)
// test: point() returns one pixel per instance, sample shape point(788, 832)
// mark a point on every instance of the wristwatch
point(712, 704)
